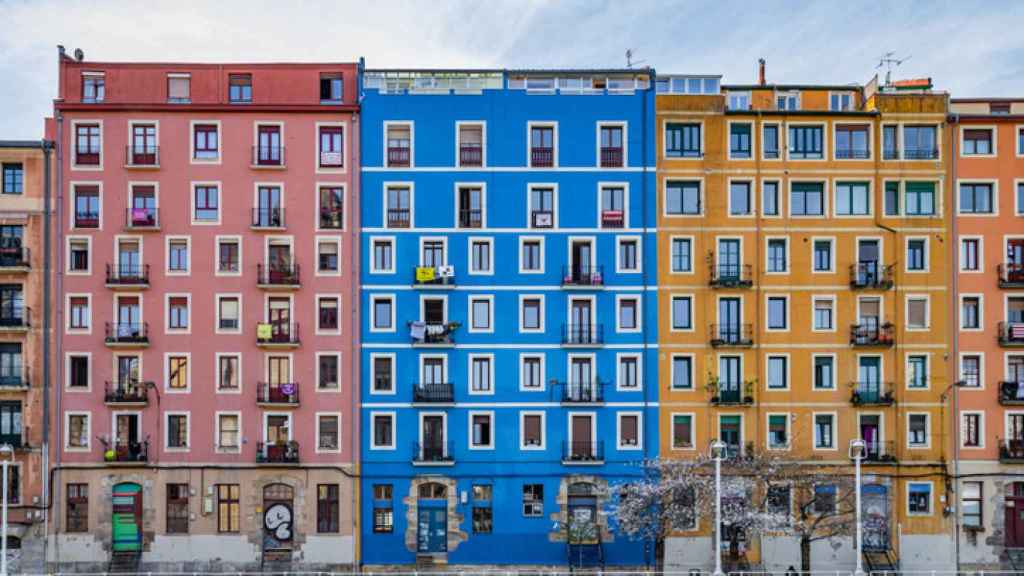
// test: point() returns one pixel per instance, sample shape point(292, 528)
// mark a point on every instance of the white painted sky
point(970, 48)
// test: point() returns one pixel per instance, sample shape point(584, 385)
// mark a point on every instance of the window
point(480, 256)
point(531, 257)
point(177, 313)
point(383, 431)
point(471, 144)
point(770, 198)
point(629, 316)
point(332, 146)
point(177, 431)
point(778, 431)
point(327, 256)
point(739, 100)
point(542, 150)
point(328, 510)
point(87, 207)
point(920, 143)
point(771, 141)
point(227, 372)
point(612, 153)
point(483, 515)
point(976, 198)
point(78, 257)
point(779, 500)
point(532, 431)
point(532, 315)
point(739, 199)
point(177, 508)
point(682, 431)
point(481, 374)
point(971, 500)
point(383, 313)
point(93, 87)
point(890, 142)
point(970, 370)
point(78, 371)
point(852, 142)
point(807, 199)
point(853, 199)
point(480, 315)
point(629, 372)
point(177, 373)
point(481, 430)
point(971, 313)
point(383, 513)
point(239, 88)
point(840, 102)
point(682, 140)
point(332, 207)
point(205, 142)
point(823, 373)
point(805, 142)
point(177, 256)
point(533, 500)
point(777, 248)
point(628, 260)
point(778, 315)
point(1020, 194)
point(542, 207)
point(917, 371)
point(78, 431)
point(328, 431)
point(88, 145)
point(328, 368)
point(822, 255)
point(917, 313)
point(13, 179)
point(228, 510)
point(787, 101)
point(917, 430)
point(919, 498)
point(892, 199)
point(970, 431)
point(824, 428)
point(178, 88)
point(77, 508)
point(531, 372)
point(824, 499)
point(824, 314)
point(682, 372)
point(229, 311)
point(399, 204)
point(778, 372)
point(331, 90)
point(206, 204)
point(917, 255)
point(682, 317)
point(228, 431)
point(383, 258)
point(739, 140)
point(327, 314)
point(229, 256)
point(970, 255)
point(629, 431)
point(977, 141)
point(682, 255)
point(79, 317)
point(383, 374)
point(682, 198)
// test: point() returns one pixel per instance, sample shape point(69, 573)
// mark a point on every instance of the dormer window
point(93, 87)
point(179, 88)
point(739, 100)
point(840, 102)
point(787, 101)
point(330, 89)
point(240, 88)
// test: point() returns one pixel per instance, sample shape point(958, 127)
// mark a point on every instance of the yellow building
point(802, 237)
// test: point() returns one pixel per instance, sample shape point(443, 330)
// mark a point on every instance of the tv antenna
point(890, 61)
point(629, 59)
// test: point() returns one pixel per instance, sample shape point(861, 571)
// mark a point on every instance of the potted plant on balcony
point(748, 391)
point(712, 387)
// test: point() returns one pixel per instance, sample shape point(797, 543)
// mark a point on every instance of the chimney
point(760, 71)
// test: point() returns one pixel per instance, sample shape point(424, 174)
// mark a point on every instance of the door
point(729, 320)
point(869, 379)
point(269, 145)
point(729, 379)
point(433, 311)
point(1015, 515)
point(126, 520)
point(471, 207)
point(127, 444)
point(279, 316)
point(581, 380)
point(867, 262)
point(128, 376)
point(129, 261)
point(1015, 260)
point(278, 519)
point(279, 257)
point(729, 260)
point(582, 508)
point(582, 262)
point(580, 325)
point(869, 320)
point(1015, 435)
point(269, 213)
point(276, 436)
point(870, 433)
point(433, 448)
point(143, 206)
point(582, 443)
point(433, 371)
point(144, 144)
point(431, 527)
point(875, 508)
point(729, 433)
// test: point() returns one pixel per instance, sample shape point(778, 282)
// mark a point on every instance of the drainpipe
point(59, 281)
point(355, 302)
point(47, 307)
point(953, 305)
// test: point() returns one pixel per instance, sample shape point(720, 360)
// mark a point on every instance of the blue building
point(509, 332)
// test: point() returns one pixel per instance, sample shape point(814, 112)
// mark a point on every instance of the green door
point(127, 518)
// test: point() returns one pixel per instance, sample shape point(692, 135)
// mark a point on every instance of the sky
point(969, 48)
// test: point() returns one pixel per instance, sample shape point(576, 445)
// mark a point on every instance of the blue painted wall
point(515, 539)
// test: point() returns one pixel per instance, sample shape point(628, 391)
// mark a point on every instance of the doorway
point(432, 518)
point(126, 519)
point(278, 521)
point(875, 504)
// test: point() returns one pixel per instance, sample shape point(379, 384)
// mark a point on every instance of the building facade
point(209, 425)
point(802, 236)
point(23, 376)
point(988, 341)
point(509, 323)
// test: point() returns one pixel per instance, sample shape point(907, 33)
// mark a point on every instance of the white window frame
point(393, 185)
point(543, 430)
point(768, 435)
point(835, 432)
point(372, 315)
point(619, 241)
point(216, 255)
point(639, 430)
point(625, 143)
point(217, 431)
point(543, 371)
point(192, 142)
point(981, 429)
point(489, 241)
point(489, 298)
point(831, 253)
point(316, 314)
point(372, 257)
point(384, 143)
point(960, 311)
point(73, 187)
point(469, 429)
point(316, 432)
point(167, 313)
point(67, 431)
point(216, 312)
point(335, 354)
point(458, 143)
point(672, 372)
point(831, 298)
point(672, 241)
point(834, 360)
point(192, 202)
point(927, 312)
point(67, 306)
point(772, 296)
point(767, 243)
point(469, 372)
point(394, 373)
point(672, 320)
point(317, 241)
point(931, 498)
point(927, 370)
point(981, 254)
point(554, 142)
point(67, 372)
point(672, 432)
point(67, 255)
point(167, 372)
point(619, 357)
point(523, 240)
point(981, 369)
point(751, 197)
point(789, 371)
point(927, 431)
point(625, 201)
point(638, 298)
point(992, 129)
point(216, 377)
point(995, 199)
point(522, 302)
point(553, 186)
point(167, 254)
point(373, 427)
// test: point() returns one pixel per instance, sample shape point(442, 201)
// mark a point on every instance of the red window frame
point(202, 142)
point(87, 144)
point(332, 140)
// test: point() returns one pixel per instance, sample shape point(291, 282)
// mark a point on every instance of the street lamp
point(717, 449)
point(5, 449)
point(857, 447)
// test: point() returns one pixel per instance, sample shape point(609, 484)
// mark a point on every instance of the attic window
point(330, 88)
point(93, 87)
point(999, 108)
point(179, 88)
point(240, 88)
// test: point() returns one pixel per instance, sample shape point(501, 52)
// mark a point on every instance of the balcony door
point(868, 269)
point(729, 432)
point(143, 144)
point(269, 213)
point(128, 371)
point(269, 149)
point(433, 371)
point(277, 429)
point(432, 437)
point(279, 315)
point(869, 377)
point(582, 261)
point(279, 257)
point(729, 259)
point(729, 378)
point(729, 319)
point(127, 431)
point(581, 426)
point(1015, 310)
point(869, 311)
point(871, 434)
point(581, 379)
point(433, 254)
point(129, 259)
point(129, 316)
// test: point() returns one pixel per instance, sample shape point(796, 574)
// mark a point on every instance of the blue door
point(432, 527)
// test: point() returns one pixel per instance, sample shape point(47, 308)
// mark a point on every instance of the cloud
point(971, 48)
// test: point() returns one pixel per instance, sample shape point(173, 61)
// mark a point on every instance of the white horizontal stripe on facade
point(791, 229)
point(499, 169)
point(530, 231)
point(793, 174)
point(512, 405)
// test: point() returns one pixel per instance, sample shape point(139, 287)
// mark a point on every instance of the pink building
point(207, 315)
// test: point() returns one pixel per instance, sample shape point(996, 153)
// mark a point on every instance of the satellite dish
point(79, 55)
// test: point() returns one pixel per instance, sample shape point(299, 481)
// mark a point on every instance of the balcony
point(879, 452)
point(433, 454)
point(15, 320)
point(87, 219)
point(268, 157)
point(14, 259)
point(141, 156)
point(399, 218)
point(267, 219)
point(871, 393)
point(399, 156)
point(277, 335)
point(582, 392)
point(730, 276)
point(471, 218)
point(729, 394)
point(433, 393)
point(1011, 450)
point(332, 218)
point(871, 335)
point(871, 276)
point(611, 157)
point(1011, 334)
point(542, 157)
point(471, 155)
point(582, 452)
point(852, 153)
point(736, 451)
point(442, 277)
point(277, 395)
point(1011, 393)
point(583, 335)
point(132, 453)
point(542, 219)
point(142, 219)
point(128, 276)
point(14, 378)
point(583, 277)
point(731, 335)
point(281, 453)
point(128, 393)
point(127, 334)
point(433, 334)
point(613, 219)
point(921, 154)
point(277, 276)
point(1011, 275)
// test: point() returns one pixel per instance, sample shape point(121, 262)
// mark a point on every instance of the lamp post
point(857, 447)
point(5, 449)
point(717, 448)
